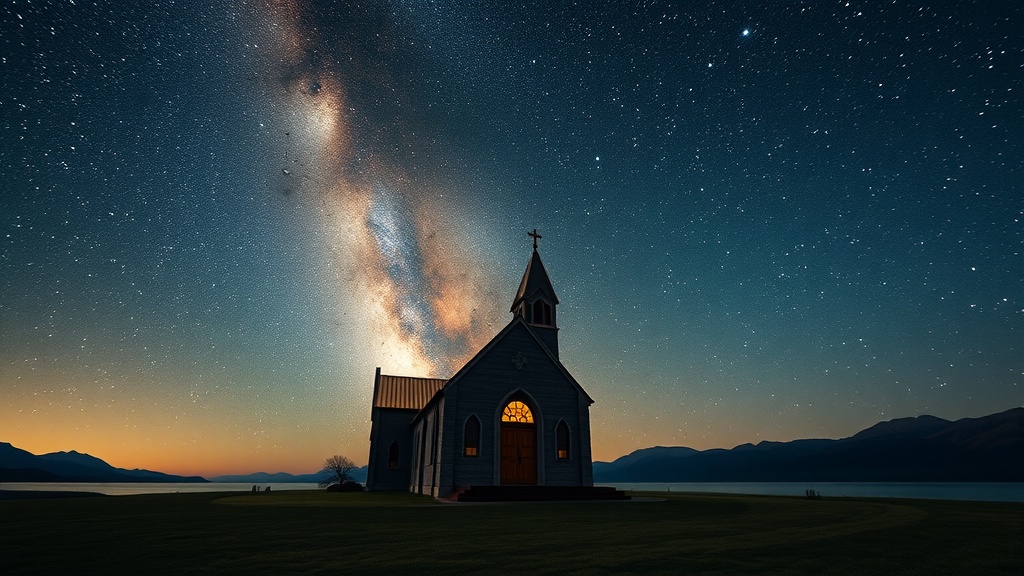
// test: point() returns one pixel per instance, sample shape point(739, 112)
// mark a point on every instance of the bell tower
point(535, 300)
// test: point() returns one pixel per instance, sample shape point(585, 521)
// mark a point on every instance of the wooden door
point(518, 454)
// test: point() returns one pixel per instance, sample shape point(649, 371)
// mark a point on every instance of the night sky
point(764, 220)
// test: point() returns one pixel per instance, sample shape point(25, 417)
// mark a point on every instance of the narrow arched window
point(393, 456)
point(541, 313)
point(471, 437)
point(562, 440)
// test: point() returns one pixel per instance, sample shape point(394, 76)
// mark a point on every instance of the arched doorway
point(518, 444)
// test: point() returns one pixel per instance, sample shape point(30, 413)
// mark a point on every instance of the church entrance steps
point(536, 493)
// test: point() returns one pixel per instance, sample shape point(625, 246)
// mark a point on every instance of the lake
point(127, 488)
point(971, 491)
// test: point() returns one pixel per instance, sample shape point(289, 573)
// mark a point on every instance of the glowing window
point(517, 412)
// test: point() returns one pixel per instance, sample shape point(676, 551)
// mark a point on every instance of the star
point(707, 261)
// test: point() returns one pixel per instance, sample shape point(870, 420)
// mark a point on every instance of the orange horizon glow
point(201, 453)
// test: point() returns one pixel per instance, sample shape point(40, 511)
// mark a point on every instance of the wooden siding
point(549, 336)
point(485, 388)
point(427, 468)
point(390, 425)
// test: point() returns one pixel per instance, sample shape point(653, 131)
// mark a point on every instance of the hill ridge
point(915, 449)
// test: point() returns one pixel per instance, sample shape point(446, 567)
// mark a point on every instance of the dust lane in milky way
point(394, 233)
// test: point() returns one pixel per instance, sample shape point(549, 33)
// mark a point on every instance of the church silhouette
point(512, 423)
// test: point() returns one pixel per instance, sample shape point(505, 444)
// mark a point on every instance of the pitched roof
point(518, 321)
point(405, 392)
point(535, 278)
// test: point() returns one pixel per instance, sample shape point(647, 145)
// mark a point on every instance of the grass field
point(311, 532)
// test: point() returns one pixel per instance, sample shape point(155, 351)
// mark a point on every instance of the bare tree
point(339, 468)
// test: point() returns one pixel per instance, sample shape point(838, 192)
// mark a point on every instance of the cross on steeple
point(535, 237)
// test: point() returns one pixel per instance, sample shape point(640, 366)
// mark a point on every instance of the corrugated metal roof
point(405, 391)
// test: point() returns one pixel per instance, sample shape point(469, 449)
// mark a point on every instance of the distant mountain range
point(17, 465)
point(921, 449)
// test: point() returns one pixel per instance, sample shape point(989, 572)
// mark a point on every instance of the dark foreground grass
point(309, 532)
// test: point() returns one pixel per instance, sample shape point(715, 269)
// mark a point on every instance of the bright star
point(746, 31)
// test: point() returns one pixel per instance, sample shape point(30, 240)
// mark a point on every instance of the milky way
point(352, 140)
point(763, 220)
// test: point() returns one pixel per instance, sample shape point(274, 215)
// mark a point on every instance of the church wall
point(582, 442)
point(389, 425)
point(451, 444)
point(415, 483)
point(428, 470)
point(549, 336)
point(485, 387)
point(480, 469)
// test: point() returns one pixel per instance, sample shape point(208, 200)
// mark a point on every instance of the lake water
point(127, 488)
point(974, 491)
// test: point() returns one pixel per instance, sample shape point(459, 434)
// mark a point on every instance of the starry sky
point(764, 220)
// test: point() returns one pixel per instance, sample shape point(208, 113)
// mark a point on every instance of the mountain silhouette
point(921, 449)
point(17, 465)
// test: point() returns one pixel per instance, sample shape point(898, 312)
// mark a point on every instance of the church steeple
point(535, 301)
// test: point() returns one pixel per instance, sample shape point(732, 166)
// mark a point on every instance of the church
point(512, 416)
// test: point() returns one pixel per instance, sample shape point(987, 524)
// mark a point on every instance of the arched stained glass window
point(471, 437)
point(516, 411)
